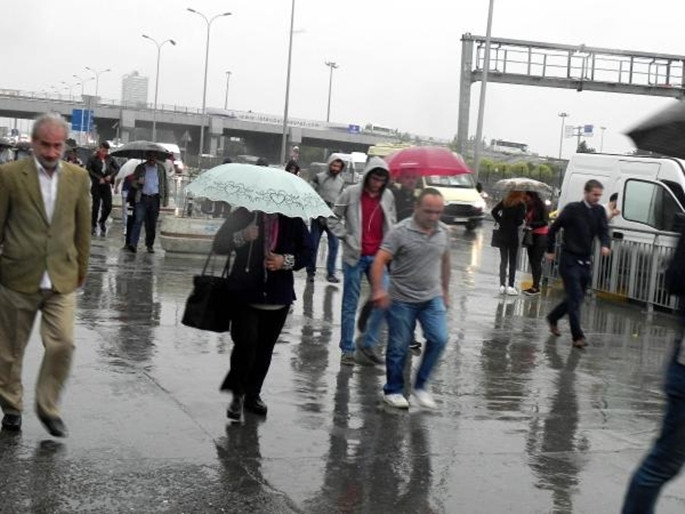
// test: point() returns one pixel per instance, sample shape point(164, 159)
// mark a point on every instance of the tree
point(544, 172)
point(584, 148)
point(520, 169)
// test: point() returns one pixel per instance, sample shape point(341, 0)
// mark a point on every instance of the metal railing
point(635, 270)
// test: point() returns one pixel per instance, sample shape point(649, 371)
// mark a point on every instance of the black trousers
point(507, 256)
point(102, 195)
point(535, 254)
point(254, 333)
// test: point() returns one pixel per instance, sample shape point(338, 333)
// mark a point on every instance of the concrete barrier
point(188, 235)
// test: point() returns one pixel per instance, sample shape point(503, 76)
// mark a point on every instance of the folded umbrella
point(663, 133)
point(260, 188)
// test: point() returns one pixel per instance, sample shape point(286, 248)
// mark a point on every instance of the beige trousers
point(17, 314)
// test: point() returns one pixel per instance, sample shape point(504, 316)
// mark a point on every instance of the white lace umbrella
point(259, 188)
point(508, 185)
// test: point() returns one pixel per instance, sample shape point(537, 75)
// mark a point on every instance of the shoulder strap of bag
point(227, 266)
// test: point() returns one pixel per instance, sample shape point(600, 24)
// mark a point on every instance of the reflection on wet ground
point(526, 423)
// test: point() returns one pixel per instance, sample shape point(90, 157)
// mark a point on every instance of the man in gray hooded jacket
point(364, 212)
point(329, 184)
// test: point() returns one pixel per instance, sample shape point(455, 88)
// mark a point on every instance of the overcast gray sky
point(399, 59)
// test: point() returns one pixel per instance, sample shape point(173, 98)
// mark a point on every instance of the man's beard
point(48, 164)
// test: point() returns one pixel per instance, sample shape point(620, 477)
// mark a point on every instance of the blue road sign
point(81, 120)
point(354, 129)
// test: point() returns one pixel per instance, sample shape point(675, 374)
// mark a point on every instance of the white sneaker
point(511, 291)
point(424, 399)
point(396, 400)
point(502, 289)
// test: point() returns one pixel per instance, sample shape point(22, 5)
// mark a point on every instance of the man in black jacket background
point(102, 169)
point(582, 222)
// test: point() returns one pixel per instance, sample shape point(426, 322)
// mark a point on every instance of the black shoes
point(54, 426)
point(150, 249)
point(11, 422)
point(310, 278)
point(130, 248)
point(333, 279)
point(553, 328)
point(255, 405)
point(235, 408)
point(103, 229)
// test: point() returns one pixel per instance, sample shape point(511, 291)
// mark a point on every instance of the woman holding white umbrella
point(268, 248)
point(270, 240)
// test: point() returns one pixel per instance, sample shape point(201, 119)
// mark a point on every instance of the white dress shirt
point(48, 190)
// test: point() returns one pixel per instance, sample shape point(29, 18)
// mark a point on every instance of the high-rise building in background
point(134, 89)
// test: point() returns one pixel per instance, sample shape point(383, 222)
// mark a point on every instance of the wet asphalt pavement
point(526, 424)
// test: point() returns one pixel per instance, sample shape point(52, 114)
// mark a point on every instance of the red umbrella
point(427, 160)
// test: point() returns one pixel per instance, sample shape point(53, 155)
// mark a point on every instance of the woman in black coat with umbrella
point(509, 215)
point(268, 248)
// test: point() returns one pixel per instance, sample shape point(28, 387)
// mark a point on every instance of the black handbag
point(210, 303)
point(527, 238)
point(497, 238)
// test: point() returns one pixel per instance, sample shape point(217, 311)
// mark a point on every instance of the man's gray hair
point(50, 118)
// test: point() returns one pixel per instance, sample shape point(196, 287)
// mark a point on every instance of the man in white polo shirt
point(417, 250)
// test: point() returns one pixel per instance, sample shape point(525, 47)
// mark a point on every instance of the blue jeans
point(145, 211)
point(668, 455)
point(576, 277)
point(402, 317)
point(352, 283)
point(316, 230)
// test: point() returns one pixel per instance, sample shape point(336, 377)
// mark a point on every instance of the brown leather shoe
point(580, 343)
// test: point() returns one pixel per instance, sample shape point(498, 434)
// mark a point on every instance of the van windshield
point(465, 181)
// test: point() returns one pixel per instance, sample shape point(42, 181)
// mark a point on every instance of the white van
point(651, 191)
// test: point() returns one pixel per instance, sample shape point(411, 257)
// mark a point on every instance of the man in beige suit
point(45, 238)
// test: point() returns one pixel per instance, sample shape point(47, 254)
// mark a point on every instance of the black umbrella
point(140, 150)
point(663, 133)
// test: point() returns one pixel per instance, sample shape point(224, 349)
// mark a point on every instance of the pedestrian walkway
point(526, 424)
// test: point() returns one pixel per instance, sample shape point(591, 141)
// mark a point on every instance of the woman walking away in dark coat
point(537, 220)
point(268, 247)
point(509, 215)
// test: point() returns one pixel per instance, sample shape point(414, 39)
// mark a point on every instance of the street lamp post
point(601, 143)
point(97, 77)
point(483, 86)
point(159, 53)
point(228, 78)
point(333, 66)
point(563, 116)
point(204, 88)
point(284, 141)
point(71, 87)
